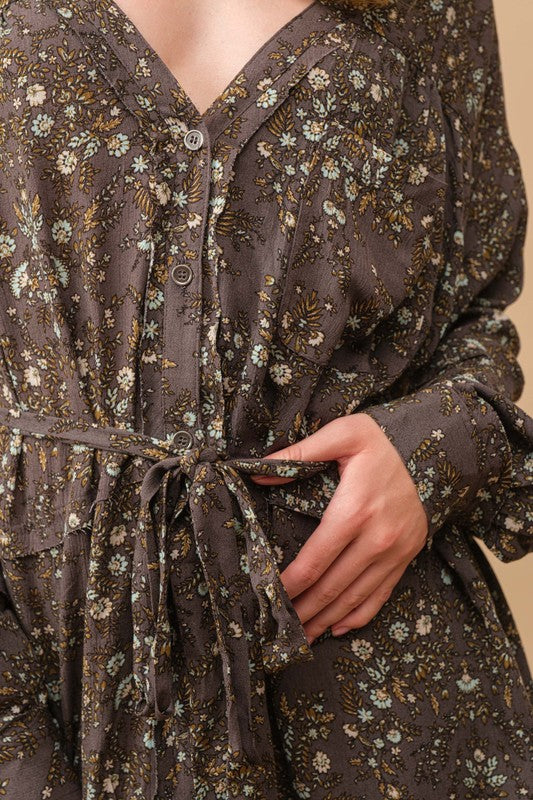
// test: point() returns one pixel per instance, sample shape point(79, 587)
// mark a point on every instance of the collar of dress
point(146, 85)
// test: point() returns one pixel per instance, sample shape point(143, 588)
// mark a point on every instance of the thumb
point(298, 451)
point(335, 440)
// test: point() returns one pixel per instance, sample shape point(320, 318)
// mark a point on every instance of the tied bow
point(281, 635)
point(277, 639)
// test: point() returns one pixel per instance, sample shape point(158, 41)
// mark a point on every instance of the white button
point(183, 440)
point(181, 274)
point(193, 139)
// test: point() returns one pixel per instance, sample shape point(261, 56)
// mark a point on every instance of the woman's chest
point(299, 209)
point(332, 210)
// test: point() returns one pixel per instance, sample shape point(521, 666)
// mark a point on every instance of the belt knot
point(229, 542)
point(185, 462)
point(272, 635)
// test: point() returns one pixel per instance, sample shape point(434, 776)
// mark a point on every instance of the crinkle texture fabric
point(344, 239)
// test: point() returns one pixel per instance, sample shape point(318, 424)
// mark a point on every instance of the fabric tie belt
point(277, 626)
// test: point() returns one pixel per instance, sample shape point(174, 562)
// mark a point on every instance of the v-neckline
point(152, 93)
point(173, 79)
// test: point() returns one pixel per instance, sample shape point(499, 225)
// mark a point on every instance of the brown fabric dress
point(182, 294)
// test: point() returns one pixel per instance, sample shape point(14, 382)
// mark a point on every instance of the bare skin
point(372, 528)
point(375, 524)
point(206, 43)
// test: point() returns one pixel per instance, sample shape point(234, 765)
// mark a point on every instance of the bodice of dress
point(185, 293)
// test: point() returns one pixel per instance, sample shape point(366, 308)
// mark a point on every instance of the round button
point(181, 274)
point(193, 139)
point(183, 440)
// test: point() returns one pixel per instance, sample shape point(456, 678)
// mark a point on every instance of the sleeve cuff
point(453, 445)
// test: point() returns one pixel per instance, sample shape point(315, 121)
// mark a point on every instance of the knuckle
point(356, 598)
point(379, 504)
point(307, 573)
point(295, 451)
point(360, 618)
point(356, 515)
point(380, 597)
point(327, 594)
point(384, 540)
point(383, 595)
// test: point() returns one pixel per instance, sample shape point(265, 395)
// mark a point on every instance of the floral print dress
point(183, 294)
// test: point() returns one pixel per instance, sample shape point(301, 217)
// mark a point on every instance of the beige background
point(514, 19)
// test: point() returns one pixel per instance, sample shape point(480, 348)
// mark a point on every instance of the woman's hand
point(372, 528)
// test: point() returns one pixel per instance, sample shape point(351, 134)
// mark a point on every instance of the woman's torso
point(238, 278)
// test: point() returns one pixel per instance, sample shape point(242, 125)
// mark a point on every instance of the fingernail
point(339, 631)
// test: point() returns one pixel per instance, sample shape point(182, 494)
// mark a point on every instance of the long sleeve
point(30, 747)
point(465, 442)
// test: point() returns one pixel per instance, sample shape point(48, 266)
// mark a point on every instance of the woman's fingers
point(368, 609)
point(353, 575)
point(339, 440)
point(341, 523)
point(372, 586)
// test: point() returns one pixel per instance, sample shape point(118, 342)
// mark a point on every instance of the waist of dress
point(128, 441)
point(92, 434)
point(276, 625)
point(162, 451)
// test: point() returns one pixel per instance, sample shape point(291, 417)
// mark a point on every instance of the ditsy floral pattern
point(345, 240)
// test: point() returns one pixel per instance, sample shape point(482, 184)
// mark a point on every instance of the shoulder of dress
point(451, 44)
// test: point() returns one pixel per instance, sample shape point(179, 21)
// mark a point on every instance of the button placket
point(211, 378)
point(182, 310)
